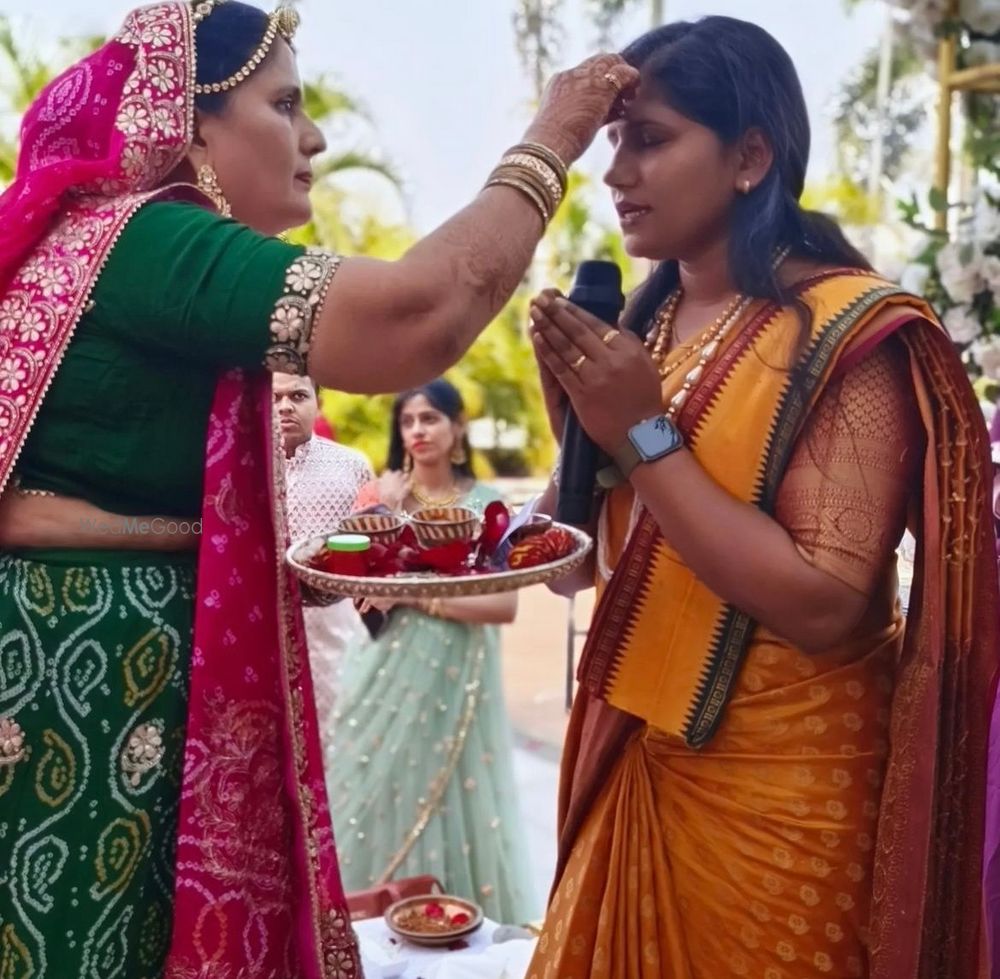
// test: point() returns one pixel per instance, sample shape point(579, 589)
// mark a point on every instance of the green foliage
point(498, 376)
point(23, 74)
point(361, 422)
point(842, 198)
point(538, 35)
point(987, 389)
point(605, 15)
point(856, 117)
point(364, 234)
point(937, 199)
point(324, 100)
point(334, 108)
point(982, 136)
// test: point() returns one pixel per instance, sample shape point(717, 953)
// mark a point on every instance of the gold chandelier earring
point(407, 463)
point(208, 184)
point(459, 457)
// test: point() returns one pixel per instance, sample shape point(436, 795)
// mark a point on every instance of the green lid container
point(348, 543)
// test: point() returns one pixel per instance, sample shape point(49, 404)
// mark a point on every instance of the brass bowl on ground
point(408, 919)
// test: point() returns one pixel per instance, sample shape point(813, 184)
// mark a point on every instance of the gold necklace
point(710, 341)
point(424, 500)
point(663, 326)
point(666, 325)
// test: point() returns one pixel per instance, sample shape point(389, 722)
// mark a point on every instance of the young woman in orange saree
point(768, 772)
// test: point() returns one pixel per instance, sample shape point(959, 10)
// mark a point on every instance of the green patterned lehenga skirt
point(94, 656)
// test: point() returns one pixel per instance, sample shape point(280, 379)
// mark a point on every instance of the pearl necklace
point(664, 329)
point(710, 341)
point(709, 344)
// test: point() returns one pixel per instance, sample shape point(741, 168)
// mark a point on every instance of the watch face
point(655, 437)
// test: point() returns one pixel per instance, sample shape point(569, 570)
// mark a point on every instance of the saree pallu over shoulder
point(927, 877)
point(663, 647)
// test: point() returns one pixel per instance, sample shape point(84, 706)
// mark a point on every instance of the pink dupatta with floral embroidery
point(258, 892)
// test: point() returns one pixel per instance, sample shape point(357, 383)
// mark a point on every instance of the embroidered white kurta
point(323, 480)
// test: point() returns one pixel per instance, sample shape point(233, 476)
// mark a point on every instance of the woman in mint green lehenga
point(422, 777)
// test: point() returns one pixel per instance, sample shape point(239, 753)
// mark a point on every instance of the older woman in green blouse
point(161, 794)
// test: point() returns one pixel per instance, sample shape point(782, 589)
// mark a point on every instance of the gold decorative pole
point(947, 50)
point(982, 78)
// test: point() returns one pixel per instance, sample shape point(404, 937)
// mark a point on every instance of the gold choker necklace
point(425, 500)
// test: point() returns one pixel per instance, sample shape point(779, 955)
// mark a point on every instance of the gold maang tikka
point(283, 23)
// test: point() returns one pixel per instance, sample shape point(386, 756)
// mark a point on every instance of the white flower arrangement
point(928, 19)
point(982, 16)
point(961, 277)
point(969, 273)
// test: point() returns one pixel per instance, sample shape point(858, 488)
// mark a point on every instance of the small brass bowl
point(435, 526)
point(382, 527)
point(407, 918)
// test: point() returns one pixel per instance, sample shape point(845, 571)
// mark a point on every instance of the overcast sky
point(442, 80)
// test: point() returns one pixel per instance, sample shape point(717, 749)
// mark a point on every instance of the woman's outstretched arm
point(386, 326)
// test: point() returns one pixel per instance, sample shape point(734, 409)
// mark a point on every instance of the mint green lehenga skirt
point(422, 780)
point(94, 655)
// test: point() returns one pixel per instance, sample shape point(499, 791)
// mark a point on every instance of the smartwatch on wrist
point(647, 441)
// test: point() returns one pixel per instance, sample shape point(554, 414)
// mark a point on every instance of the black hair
point(732, 76)
point(445, 397)
point(224, 42)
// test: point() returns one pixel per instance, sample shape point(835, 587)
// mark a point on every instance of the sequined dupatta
point(258, 891)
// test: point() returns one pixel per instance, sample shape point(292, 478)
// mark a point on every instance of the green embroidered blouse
point(184, 296)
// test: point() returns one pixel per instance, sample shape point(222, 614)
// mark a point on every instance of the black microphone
point(597, 288)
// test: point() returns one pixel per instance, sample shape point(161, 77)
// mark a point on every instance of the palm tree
point(26, 75)
point(336, 110)
point(538, 33)
point(329, 105)
point(607, 13)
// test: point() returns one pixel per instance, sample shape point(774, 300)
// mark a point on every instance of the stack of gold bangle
point(431, 606)
point(535, 171)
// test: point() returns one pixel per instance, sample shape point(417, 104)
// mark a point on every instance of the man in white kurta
point(323, 479)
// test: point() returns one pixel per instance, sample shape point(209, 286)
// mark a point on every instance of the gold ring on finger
point(578, 363)
point(609, 336)
point(610, 78)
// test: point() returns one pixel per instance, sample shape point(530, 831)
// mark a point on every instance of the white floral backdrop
point(961, 274)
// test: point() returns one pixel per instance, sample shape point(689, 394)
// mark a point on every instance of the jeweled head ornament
point(283, 23)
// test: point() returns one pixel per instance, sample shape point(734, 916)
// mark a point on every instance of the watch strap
point(626, 458)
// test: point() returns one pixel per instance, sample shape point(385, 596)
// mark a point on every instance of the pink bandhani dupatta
point(253, 782)
point(258, 892)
